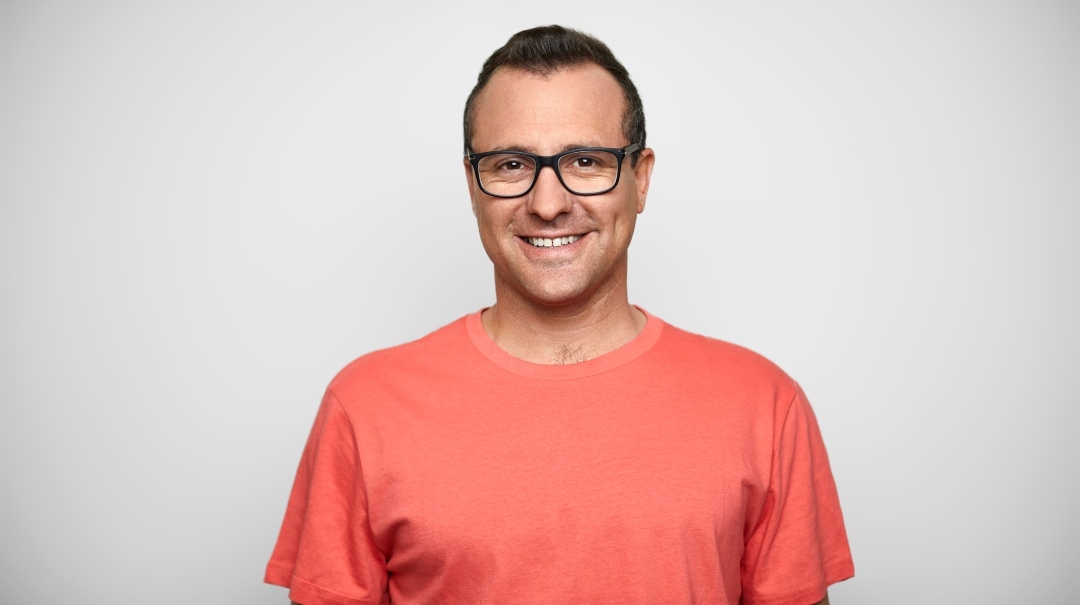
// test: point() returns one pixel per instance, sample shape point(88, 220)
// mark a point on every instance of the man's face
point(578, 107)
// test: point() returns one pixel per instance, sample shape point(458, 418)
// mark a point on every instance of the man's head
point(543, 94)
point(545, 50)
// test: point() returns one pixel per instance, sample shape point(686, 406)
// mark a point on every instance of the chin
point(556, 294)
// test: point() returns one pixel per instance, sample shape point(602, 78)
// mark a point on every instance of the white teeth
point(545, 242)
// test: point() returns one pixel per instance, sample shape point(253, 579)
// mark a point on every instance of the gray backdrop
point(209, 208)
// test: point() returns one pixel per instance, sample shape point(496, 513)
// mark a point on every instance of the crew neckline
point(641, 343)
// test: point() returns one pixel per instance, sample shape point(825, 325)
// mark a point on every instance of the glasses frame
point(552, 161)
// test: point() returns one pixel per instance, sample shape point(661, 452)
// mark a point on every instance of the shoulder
point(750, 395)
point(712, 357)
point(442, 348)
point(753, 393)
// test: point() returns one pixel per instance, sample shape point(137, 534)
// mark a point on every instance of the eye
point(588, 162)
point(510, 164)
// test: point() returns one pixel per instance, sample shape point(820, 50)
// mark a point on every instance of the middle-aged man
point(561, 445)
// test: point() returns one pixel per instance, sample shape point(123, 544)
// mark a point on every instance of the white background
point(209, 208)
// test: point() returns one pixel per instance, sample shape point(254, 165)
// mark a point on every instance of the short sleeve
point(325, 553)
point(798, 546)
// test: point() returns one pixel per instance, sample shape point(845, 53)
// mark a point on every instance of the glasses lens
point(506, 173)
point(589, 171)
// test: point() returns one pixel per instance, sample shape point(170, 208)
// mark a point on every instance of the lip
point(545, 250)
point(549, 235)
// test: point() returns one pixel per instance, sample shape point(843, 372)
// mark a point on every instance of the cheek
point(487, 241)
point(483, 226)
point(492, 226)
point(626, 222)
point(628, 211)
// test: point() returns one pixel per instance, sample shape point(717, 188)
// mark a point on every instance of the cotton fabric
point(676, 469)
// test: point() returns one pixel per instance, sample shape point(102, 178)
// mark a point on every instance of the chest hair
point(567, 354)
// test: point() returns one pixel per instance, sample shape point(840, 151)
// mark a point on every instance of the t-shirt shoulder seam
point(356, 449)
point(784, 424)
point(775, 453)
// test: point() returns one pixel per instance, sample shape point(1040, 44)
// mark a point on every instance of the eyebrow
point(532, 150)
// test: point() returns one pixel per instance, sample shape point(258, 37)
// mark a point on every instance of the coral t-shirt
point(675, 469)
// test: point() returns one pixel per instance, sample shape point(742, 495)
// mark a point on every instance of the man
point(562, 445)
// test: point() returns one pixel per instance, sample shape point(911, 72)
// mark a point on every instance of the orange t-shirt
point(676, 469)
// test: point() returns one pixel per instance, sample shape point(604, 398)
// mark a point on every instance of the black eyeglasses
point(583, 171)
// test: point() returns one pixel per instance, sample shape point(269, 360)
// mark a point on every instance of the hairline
point(545, 74)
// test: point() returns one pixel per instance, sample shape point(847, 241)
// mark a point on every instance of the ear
point(642, 176)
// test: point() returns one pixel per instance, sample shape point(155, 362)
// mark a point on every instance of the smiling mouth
point(551, 242)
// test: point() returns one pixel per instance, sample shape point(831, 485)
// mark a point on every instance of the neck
point(567, 333)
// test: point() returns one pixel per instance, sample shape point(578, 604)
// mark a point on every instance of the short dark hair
point(545, 50)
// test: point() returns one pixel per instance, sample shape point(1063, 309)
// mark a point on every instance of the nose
point(548, 198)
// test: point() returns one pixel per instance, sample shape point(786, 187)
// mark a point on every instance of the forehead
point(581, 105)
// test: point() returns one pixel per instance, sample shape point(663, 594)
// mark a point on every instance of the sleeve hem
point(278, 575)
point(306, 593)
point(816, 591)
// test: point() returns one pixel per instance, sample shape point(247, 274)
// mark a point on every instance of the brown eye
point(511, 165)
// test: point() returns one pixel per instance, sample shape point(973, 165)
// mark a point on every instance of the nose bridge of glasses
point(549, 195)
point(554, 178)
point(546, 162)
